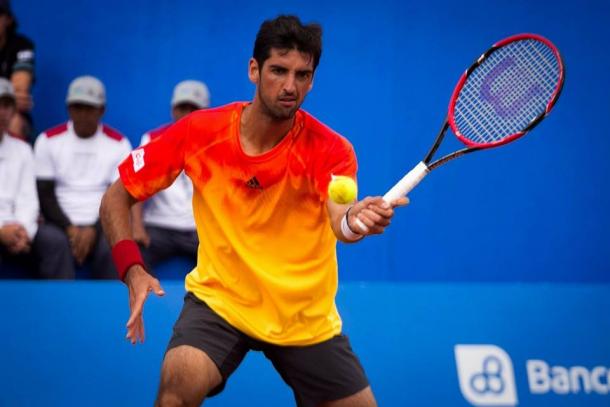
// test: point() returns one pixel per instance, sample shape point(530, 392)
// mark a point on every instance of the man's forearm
point(114, 213)
point(49, 206)
point(137, 221)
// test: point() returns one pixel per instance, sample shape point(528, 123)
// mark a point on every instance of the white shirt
point(171, 208)
point(82, 168)
point(18, 196)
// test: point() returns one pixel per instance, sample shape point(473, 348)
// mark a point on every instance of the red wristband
point(125, 254)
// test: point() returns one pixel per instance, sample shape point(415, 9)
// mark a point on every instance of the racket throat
point(407, 183)
point(437, 142)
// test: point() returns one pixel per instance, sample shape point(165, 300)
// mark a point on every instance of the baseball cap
point(6, 89)
point(87, 90)
point(193, 92)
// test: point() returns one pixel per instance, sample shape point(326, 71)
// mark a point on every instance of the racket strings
point(507, 91)
point(500, 85)
point(513, 91)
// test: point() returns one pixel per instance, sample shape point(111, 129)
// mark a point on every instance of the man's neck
point(259, 133)
point(85, 135)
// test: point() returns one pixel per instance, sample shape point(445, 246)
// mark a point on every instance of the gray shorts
point(317, 373)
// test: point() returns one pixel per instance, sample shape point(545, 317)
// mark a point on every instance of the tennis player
point(266, 274)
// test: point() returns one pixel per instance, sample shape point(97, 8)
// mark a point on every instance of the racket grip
point(407, 183)
point(402, 187)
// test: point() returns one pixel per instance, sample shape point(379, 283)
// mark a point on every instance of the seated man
point(167, 228)
point(75, 163)
point(26, 248)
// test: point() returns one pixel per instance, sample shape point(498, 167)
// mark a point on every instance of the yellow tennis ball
point(342, 189)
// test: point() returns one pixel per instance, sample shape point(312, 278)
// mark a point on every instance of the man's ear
point(253, 71)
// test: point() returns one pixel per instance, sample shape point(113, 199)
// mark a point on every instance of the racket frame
point(479, 61)
point(414, 177)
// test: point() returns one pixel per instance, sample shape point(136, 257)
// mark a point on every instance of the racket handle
point(407, 183)
point(402, 187)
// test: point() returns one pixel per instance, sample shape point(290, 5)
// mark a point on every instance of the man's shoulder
point(157, 131)
point(224, 109)
point(18, 151)
point(320, 131)
point(216, 119)
point(55, 131)
point(17, 144)
point(112, 133)
point(219, 113)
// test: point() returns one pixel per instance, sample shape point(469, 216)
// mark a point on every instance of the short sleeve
point(339, 159)
point(155, 166)
point(42, 158)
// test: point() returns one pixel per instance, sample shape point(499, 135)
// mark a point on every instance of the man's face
point(282, 83)
point(85, 118)
point(181, 110)
point(7, 110)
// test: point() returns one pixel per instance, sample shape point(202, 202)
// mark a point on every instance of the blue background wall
point(532, 211)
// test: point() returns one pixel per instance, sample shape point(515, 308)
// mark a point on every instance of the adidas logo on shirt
point(253, 183)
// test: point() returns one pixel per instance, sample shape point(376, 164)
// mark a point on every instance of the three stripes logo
point(253, 183)
point(486, 375)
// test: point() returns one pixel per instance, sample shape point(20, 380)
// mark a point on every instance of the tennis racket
point(504, 94)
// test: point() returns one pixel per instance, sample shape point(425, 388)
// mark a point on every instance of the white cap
point(87, 90)
point(193, 92)
point(6, 88)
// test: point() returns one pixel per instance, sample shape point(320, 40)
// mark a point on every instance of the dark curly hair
point(287, 32)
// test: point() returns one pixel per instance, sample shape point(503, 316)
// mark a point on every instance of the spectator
point(25, 247)
point(17, 65)
point(75, 163)
point(167, 228)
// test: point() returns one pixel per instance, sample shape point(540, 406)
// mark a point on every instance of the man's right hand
point(71, 232)
point(139, 283)
point(8, 235)
point(74, 237)
point(82, 240)
point(14, 237)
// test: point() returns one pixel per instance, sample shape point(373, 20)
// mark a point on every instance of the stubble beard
point(276, 114)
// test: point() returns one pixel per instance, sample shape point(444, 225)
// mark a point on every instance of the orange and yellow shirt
point(267, 254)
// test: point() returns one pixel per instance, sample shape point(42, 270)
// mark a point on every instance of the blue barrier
point(540, 344)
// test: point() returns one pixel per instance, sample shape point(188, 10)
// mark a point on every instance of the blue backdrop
point(532, 211)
